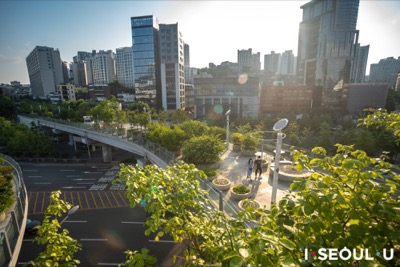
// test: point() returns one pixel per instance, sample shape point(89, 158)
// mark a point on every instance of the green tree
point(60, 247)
point(293, 133)
point(194, 128)
point(8, 108)
point(202, 150)
point(106, 111)
point(172, 138)
point(325, 139)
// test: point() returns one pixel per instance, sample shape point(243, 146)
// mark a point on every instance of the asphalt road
point(104, 225)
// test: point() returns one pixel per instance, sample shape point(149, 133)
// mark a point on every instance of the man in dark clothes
point(258, 163)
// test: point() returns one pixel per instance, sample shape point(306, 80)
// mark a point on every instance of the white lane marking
point(71, 187)
point(162, 241)
point(85, 183)
point(108, 264)
point(74, 175)
point(93, 239)
point(41, 183)
point(87, 179)
point(91, 172)
point(67, 170)
point(35, 176)
point(75, 221)
point(134, 222)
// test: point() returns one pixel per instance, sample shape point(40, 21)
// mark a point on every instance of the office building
point(271, 62)
point(249, 62)
point(326, 46)
point(360, 64)
point(286, 99)
point(186, 55)
point(146, 60)
point(172, 67)
point(361, 96)
point(287, 63)
point(66, 92)
point(101, 68)
point(385, 71)
point(214, 96)
point(124, 67)
point(44, 70)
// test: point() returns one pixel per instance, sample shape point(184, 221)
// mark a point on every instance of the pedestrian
point(258, 163)
point(249, 168)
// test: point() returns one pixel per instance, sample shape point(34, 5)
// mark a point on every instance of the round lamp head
point(279, 125)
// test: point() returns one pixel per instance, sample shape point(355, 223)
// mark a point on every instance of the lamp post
point(227, 128)
point(70, 212)
point(277, 128)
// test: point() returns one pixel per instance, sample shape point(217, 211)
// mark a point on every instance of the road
point(104, 225)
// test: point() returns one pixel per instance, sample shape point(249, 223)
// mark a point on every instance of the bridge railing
point(13, 226)
point(167, 156)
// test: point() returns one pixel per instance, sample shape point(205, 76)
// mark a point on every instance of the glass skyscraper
point(146, 60)
point(327, 44)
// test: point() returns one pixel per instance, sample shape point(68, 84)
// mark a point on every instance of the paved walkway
point(234, 167)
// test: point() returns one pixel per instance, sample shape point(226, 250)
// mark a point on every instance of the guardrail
point(13, 227)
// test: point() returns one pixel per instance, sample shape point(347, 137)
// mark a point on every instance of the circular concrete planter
point(243, 204)
point(238, 197)
point(222, 184)
point(285, 176)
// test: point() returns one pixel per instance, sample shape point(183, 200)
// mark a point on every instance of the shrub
point(251, 204)
point(240, 189)
point(236, 138)
point(248, 142)
point(209, 172)
point(202, 150)
point(6, 192)
point(172, 139)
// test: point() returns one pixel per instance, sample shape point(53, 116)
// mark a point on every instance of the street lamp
point(278, 126)
point(70, 212)
point(227, 128)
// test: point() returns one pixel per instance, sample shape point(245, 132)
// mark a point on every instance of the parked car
point(30, 228)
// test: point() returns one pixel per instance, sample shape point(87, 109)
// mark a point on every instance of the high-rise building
point(271, 62)
point(44, 70)
point(385, 71)
point(79, 73)
point(287, 63)
point(186, 54)
point(124, 66)
point(146, 60)
point(360, 64)
point(102, 67)
point(326, 47)
point(249, 62)
point(172, 67)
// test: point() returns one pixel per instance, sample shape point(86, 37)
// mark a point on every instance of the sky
point(214, 30)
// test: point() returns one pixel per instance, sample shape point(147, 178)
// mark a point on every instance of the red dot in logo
point(313, 253)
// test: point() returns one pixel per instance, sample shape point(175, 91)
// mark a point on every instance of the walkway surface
point(234, 167)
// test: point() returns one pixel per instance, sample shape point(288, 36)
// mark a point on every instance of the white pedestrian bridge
point(107, 137)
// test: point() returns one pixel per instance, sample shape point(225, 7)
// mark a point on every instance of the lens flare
point(218, 108)
point(242, 79)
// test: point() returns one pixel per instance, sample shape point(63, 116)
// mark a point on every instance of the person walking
point(249, 168)
point(258, 163)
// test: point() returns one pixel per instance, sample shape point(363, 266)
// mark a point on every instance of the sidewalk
point(234, 167)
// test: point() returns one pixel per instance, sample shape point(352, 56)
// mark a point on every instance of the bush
point(240, 189)
point(6, 192)
point(248, 142)
point(209, 172)
point(202, 150)
point(236, 138)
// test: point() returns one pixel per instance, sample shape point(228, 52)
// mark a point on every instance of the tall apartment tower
point(102, 68)
point(360, 64)
point(146, 60)
point(172, 67)
point(327, 41)
point(287, 63)
point(248, 61)
point(385, 71)
point(44, 70)
point(124, 66)
point(271, 62)
point(186, 54)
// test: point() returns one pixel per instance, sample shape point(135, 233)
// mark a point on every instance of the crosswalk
point(38, 201)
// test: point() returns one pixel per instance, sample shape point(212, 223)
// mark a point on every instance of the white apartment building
point(101, 68)
point(124, 67)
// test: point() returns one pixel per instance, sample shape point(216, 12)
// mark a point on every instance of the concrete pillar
point(107, 155)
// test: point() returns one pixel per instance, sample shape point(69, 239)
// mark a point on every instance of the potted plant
point(249, 204)
point(211, 174)
point(236, 139)
point(249, 145)
point(239, 192)
point(222, 184)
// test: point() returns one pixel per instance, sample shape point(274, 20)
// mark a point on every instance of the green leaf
point(287, 243)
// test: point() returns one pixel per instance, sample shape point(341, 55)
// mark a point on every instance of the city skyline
point(105, 25)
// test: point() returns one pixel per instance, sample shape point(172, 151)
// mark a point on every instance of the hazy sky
point(215, 30)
